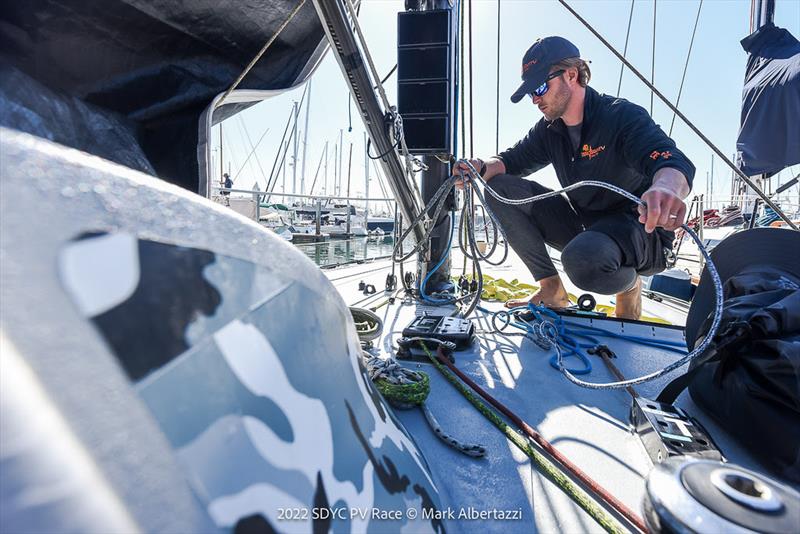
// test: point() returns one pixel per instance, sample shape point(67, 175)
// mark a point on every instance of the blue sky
point(711, 94)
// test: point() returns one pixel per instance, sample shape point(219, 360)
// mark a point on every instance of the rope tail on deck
point(453, 374)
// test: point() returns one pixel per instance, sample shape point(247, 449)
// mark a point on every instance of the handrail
point(294, 195)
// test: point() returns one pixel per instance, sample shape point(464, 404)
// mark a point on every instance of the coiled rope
point(403, 388)
point(406, 389)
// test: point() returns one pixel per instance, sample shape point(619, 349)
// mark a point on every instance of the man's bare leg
point(629, 303)
point(551, 293)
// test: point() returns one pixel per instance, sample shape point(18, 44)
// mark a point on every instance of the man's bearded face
point(554, 102)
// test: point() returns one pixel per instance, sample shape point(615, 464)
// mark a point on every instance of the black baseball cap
point(537, 61)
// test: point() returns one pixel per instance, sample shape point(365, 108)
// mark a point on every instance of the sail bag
point(749, 378)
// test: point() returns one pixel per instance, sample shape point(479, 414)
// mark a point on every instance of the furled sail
point(769, 138)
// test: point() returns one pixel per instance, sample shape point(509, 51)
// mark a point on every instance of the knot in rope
point(545, 334)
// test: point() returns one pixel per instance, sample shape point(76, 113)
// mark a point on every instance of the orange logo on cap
point(528, 65)
point(589, 152)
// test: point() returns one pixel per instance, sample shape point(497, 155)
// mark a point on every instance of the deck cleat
point(667, 431)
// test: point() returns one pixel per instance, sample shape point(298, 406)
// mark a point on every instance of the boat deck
point(589, 426)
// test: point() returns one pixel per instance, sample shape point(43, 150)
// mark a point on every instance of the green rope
point(543, 463)
point(412, 393)
point(406, 389)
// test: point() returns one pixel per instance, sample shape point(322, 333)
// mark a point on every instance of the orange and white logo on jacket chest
point(588, 152)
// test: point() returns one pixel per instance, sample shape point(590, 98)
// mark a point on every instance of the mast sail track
point(341, 37)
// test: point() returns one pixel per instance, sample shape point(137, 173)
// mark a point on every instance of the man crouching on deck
point(605, 241)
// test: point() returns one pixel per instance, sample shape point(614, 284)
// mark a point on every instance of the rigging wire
point(261, 52)
point(549, 333)
point(497, 90)
point(387, 75)
point(686, 65)
point(383, 155)
point(242, 137)
point(653, 56)
point(316, 174)
point(746, 179)
point(625, 50)
point(412, 164)
point(462, 83)
point(252, 150)
point(273, 179)
point(349, 113)
point(476, 178)
point(471, 88)
point(367, 55)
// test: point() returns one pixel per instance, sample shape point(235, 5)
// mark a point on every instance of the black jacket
point(620, 144)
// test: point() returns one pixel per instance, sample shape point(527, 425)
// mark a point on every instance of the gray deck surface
point(589, 426)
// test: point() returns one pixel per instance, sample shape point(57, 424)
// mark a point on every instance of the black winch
point(690, 495)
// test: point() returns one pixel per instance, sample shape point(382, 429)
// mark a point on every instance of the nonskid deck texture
point(505, 492)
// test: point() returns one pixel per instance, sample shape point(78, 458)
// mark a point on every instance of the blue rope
point(436, 300)
point(573, 337)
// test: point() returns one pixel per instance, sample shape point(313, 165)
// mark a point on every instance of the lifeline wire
point(552, 334)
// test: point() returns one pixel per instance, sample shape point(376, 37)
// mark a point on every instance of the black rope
point(387, 76)
point(625, 50)
point(369, 142)
point(746, 179)
point(686, 65)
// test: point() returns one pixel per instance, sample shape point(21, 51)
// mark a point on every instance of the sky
point(711, 95)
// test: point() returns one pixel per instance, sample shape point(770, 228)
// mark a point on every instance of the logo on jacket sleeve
point(588, 152)
point(655, 154)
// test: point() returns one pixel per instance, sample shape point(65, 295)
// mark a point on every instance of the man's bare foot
point(629, 303)
point(551, 294)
